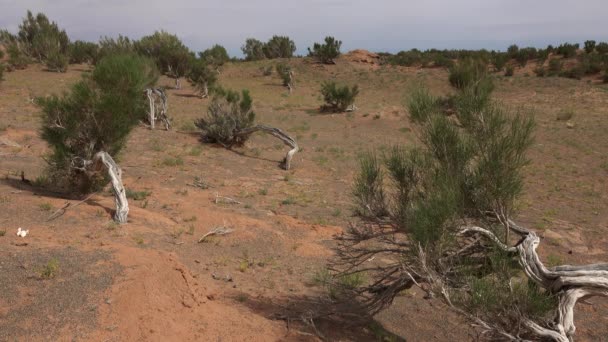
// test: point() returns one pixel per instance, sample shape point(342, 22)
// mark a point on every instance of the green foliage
point(172, 57)
point(253, 50)
point(589, 46)
point(284, 70)
point(602, 48)
point(526, 54)
point(338, 98)
point(137, 195)
point(467, 72)
point(57, 62)
point(82, 52)
point(499, 61)
point(229, 116)
point(202, 76)
point(216, 55)
point(279, 47)
point(37, 39)
point(49, 270)
point(97, 114)
point(509, 71)
point(555, 67)
point(369, 188)
point(326, 53)
point(567, 50)
point(512, 51)
point(110, 46)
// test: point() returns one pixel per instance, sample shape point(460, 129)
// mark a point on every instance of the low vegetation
point(338, 98)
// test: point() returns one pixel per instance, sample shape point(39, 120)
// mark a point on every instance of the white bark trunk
point(280, 134)
point(152, 114)
point(104, 160)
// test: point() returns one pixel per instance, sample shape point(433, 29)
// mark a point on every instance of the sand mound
point(362, 56)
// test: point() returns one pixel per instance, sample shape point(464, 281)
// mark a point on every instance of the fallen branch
point(68, 205)
point(223, 199)
point(222, 230)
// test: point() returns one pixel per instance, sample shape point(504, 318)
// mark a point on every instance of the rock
point(570, 124)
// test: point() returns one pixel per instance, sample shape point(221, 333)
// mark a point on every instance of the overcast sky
point(380, 25)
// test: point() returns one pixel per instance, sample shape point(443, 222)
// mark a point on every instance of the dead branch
point(226, 200)
point(277, 133)
point(68, 205)
point(221, 230)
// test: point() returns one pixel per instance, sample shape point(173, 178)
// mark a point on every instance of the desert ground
point(80, 277)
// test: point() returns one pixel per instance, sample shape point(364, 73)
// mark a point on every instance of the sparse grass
point(195, 151)
point(190, 219)
point(263, 192)
point(137, 195)
point(45, 206)
point(49, 270)
point(139, 240)
point(288, 201)
point(2, 233)
point(173, 161)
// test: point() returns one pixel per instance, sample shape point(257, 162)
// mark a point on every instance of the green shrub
point(512, 51)
point(338, 98)
point(602, 48)
point(97, 114)
point(467, 72)
point(82, 52)
point(279, 47)
point(109, 46)
point(326, 53)
point(509, 71)
point(368, 189)
point(228, 114)
point(567, 50)
point(202, 77)
point(56, 61)
point(499, 61)
point(253, 50)
point(216, 55)
point(172, 57)
point(38, 37)
point(540, 71)
point(284, 70)
point(589, 46)
point(555, 67)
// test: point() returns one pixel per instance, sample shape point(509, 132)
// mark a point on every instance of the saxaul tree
point(284, 71)
point(38, 39)
point(172, 57)
point(215, 56)
point(326, 53)
point(230, 122)
point(88, 126)
point(202, 77)
point(253, 50)
point(442, 217)
point(157, 100)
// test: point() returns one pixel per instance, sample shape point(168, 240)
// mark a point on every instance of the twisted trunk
point(102, 160)
point(280, 134)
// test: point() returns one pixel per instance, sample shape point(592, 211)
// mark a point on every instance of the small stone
point(108, 301)
point(570, 124)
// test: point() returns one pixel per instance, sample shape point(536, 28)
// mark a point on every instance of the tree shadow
point(25, 185)
point(320, 318)
point(187, 95)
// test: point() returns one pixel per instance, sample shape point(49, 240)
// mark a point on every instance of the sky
point(380, 25)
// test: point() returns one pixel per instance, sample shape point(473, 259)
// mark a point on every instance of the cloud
point(387, 25)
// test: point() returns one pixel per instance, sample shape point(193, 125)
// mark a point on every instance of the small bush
point(509, 71)
point(228, 114)
point(253, 50)
point(202, 77)
point(279, 47)
point(555, 67)
point(567, 50)
point(216, 55)
point(499, 61)
point(266, 71)
point(369, 189)
point(540, 71)
point(82, 52)
point(467, 72)
point(284, 70)
point(338, 98)
point(56, 61)
point(589, 46)
point(602, 48)
point(326, 53)
point(49, 270)
point(137, 195)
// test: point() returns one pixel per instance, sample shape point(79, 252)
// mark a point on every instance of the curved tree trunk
point(103, 160)
point(568, 283)
point(152, 113)
point(280, 134)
